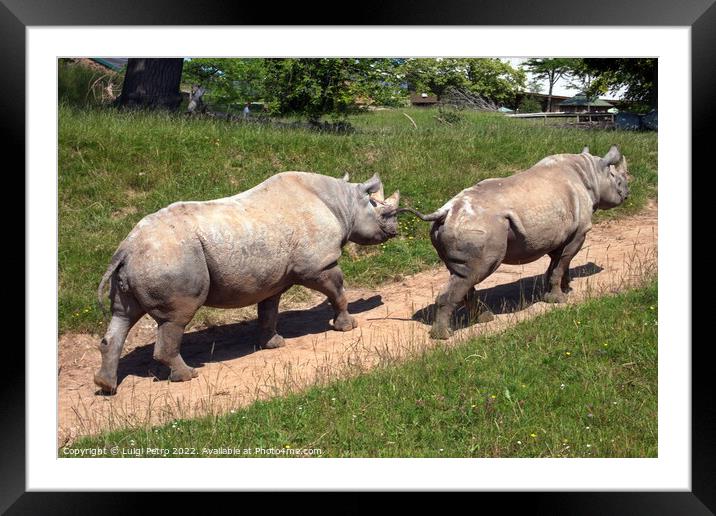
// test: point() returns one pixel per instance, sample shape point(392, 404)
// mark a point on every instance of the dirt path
point(392, 324)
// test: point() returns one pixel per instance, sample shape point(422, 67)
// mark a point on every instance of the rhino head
point(612, 179)
point(374, 217)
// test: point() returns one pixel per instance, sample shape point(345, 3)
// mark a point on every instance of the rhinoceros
point(238, 251)
point(546, 209)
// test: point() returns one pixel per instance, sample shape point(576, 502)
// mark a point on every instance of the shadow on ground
point(502, 299)
point(235, 340)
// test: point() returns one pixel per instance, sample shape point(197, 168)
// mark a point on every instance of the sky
point(560, 88)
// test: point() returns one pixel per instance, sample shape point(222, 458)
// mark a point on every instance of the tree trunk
point(551, 80)
point(152, 83)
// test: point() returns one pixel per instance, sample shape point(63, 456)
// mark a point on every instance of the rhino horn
point(393, 200)
point(346, 177)
point(585, 150)
point(373, 185)
point(612, 157)
point(379, 195)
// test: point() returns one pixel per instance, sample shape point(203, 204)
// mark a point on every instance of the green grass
point(117, 167)
point(579, 381)
point(80, 86)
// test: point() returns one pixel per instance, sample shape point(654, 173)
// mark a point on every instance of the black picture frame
point(700, 16)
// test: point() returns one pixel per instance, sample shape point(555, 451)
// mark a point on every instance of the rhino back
point(538, 208)
point(246, 247)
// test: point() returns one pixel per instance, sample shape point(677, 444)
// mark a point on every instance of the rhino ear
point(585, 150)
point(371, 186)
point(346, 177)
point(612, 157)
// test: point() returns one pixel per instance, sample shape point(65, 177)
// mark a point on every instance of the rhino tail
point(436, 216)
point(117, 261)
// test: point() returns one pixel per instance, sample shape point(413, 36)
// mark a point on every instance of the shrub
point(529, 104)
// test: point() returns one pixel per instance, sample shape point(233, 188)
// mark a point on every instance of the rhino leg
point(268, 316)
point(558, 270)
point(476, 308)
point(330, 283)
point(565, 282)
point(453, 292)
point(125, 313)
point(469, 261)
point(166, 350)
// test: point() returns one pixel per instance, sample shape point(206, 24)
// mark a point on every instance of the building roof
point(113, 63)
point(543, 95)
point(423, 98)
point(580, 99)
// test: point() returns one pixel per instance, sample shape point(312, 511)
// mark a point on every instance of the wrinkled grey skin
point(546, 209)
point(238, 251)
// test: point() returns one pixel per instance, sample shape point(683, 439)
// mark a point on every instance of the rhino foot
point(274, 342)
point(439, 332)
point(183, 375)
point(554, 297)
point(345, 323)
point(108, 386)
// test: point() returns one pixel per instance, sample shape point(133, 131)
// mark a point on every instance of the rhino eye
point(373, 203)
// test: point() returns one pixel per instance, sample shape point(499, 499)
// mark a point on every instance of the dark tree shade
point(638, 76)
point(152, 83)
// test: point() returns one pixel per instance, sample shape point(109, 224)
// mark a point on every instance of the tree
point(494, 79)
point(529, 104)
point(534, 85)
point(152, 83)
point(434, 75)
point(383, 83)
point(581, 77)
point(638, 76)
point(550, 70)
point(491, 79)
point(314, 87)
point(228, 81)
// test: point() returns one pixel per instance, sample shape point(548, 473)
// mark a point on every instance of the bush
point(529, 104)
point(450, 115)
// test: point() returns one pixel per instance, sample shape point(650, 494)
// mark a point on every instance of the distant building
point(575, 104)
point(580, 103)
point(423, 99)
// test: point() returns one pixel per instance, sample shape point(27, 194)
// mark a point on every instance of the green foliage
point(429, 75)
point(492, 79)
point(450, 115)
point(228, 81)
point(579, 381)
point(314, 87)
point(551, 70)
point(639, 77)
point(81, 86)
point(534, 85)
point(529, 104)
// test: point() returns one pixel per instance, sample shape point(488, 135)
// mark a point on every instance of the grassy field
point(575, 382)
point(115, 168)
